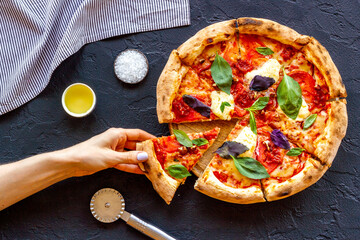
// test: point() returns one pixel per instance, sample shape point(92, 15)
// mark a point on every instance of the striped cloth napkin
point(36, 36)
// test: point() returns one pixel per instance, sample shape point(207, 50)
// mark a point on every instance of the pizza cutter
point(108, 205)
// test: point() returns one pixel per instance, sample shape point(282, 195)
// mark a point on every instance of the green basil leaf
point(223, 105)
point(295, 152)
point(252, 123)
point(183, 138)
point(200, 141)
point(264, 51)
point(178, 171)
point(289, 96)
point(259, 104)
point(309, 121)
point(175, 160)
point(250, 167)
point(221, 73)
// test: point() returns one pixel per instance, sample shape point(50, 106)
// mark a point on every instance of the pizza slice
point(319, 132)
point(222, 179)
point(291, 168)
point(171, 159)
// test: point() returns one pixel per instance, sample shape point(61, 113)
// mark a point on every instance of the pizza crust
point(168, 85)
point(311, 173)
point(162, 183)
point(209, 185)
point(320, 57)
point(328, 144)
point(274, 30)
point(193, 47)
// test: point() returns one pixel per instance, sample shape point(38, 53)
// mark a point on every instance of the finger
point(130, 157)
point(131, 168)
point(130, 145)
point(137, 135)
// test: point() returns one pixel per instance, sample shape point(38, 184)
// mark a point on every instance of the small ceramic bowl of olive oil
point(78, 100)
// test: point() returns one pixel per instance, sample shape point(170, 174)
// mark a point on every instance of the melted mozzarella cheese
point(304, 111)
point(270, 69)
point(286, 169)
point(248, 138)
point(217, 98)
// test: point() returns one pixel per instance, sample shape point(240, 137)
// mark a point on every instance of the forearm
point(21, 179)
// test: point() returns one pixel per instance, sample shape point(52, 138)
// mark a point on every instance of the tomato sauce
point(243, 66)
point(221, 176)
point(229, 180)
point(160, 152)
point(229, 52)
point(212, 134)
point(250, 43)
point(184, 113)
point(205, 65)
point(287, 53)
point(243, 97)
point(315, 96)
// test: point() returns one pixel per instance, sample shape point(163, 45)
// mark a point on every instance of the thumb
point(130, 157)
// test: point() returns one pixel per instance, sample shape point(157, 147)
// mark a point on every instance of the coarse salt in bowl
point(131, 66)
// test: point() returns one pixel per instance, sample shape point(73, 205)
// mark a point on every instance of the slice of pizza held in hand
point(171, 158)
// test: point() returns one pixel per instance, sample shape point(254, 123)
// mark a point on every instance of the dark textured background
point(327, 210)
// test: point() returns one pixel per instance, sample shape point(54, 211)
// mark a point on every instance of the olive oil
point(79, 99)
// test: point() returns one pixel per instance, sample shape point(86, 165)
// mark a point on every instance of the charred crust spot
point(158, 175)
point(270, 29)
point(301, 43)
point(285, 192)
point(249, 21)
point(309, 177)
point(234, 24)
point(227, 35)
point(146, 166)
point(163, 98)
point(209, 40)
point(327, 72)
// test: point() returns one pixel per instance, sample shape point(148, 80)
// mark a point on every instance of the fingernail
point(142, 156)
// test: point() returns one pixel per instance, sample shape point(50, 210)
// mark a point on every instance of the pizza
point(171, 158)
point(281, 86)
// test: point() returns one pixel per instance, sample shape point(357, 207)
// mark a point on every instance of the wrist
point(64, 161)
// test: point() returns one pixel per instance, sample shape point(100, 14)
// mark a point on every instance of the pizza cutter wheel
point(108, 205)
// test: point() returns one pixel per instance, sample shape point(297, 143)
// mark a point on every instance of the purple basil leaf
point(260, 83)
point(279, 139)
point(197, 105)
point(231, 148)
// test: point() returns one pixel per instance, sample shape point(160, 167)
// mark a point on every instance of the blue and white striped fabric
point(36, 36)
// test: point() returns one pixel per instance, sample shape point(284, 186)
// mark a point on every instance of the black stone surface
point(327, 210)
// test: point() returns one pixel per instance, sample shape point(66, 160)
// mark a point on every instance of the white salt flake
point(131, 66)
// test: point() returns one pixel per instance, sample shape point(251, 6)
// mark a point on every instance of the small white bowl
point(119, 71)
point(78, 115)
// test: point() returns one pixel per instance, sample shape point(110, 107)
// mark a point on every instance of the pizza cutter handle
point(148, 229)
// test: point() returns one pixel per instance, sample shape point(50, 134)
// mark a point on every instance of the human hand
point(107, 150)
